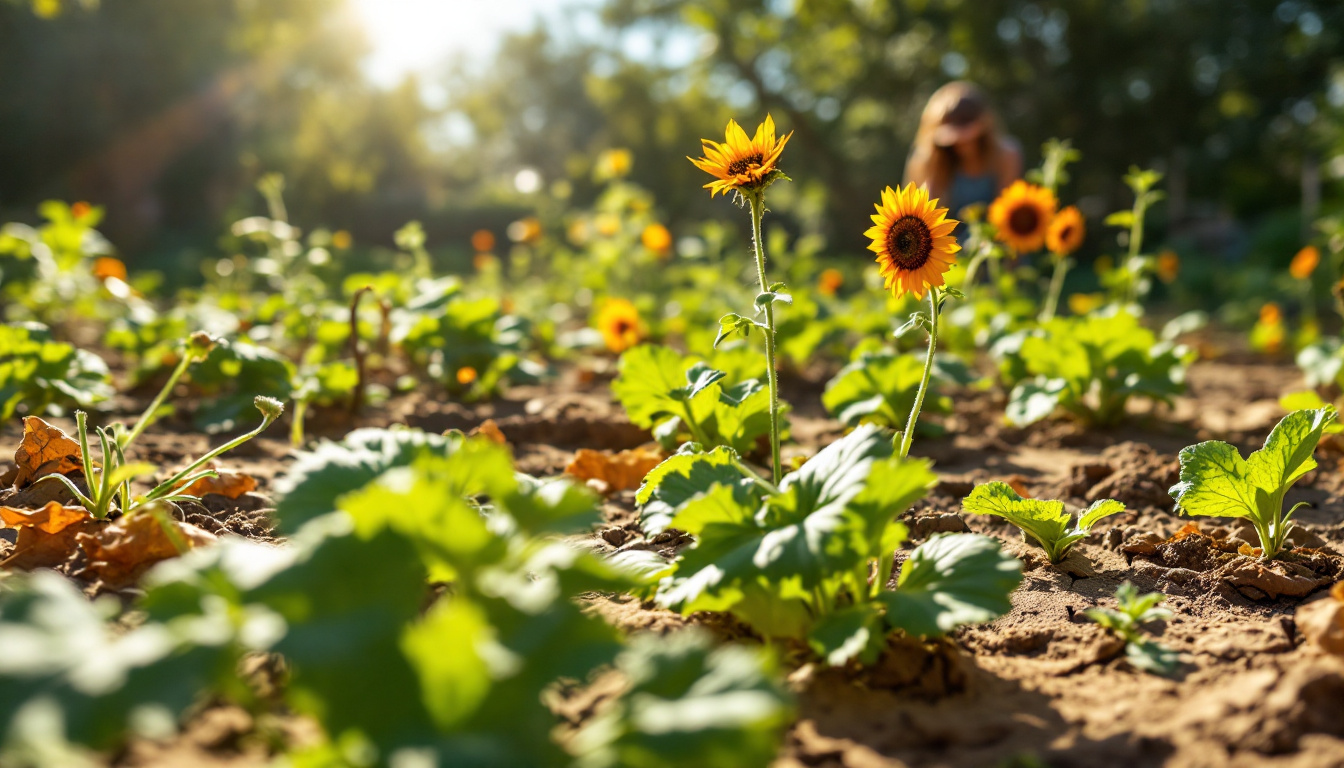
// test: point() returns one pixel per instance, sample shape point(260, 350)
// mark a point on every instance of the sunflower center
point(1024, 219)
point(1066, 234)
point(909, 242)
point(622, 327)
point(741, 164)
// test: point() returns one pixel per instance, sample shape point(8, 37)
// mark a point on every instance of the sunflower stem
point(908, 436)
point(1062, 266)
point(757, 202)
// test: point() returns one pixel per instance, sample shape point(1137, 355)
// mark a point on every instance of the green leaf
point(699, 377)
point(649, 376)
point(1045, 521)
point(949, 581)
point(320, 476)
point(689, 704)
point(878, 387)
point(1100, 509)
point(852, 632)
point(1124, 219)
point(1214, 482)
point(1152, 656)
point(681, 477)
point(1287, 454)
point(1031, 401)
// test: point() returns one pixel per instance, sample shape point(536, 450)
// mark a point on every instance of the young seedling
point(1045, 521)
point(1216, 481)
point(1135, 610)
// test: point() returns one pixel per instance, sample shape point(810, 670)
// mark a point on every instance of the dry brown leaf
point(1322, 621)
point(44, 450)
point(1019, 485)
point(120, 552)
point(611, 473)
point(490, 431)
point(52, 518)
point(228, 484)
point(36, 548)
point(1189, 529)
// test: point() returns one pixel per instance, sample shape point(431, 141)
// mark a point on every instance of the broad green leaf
point(852, 632)
point(1045, 521)
point(878, 387)
point(320, 476)
point(689, 704)
point(1100, 509)
point(1215, 481)
point(1031, 401)
point(681, 477)
point(699, 377)
point(951, 580)
point(650, 375)
point(445, 650)
point(1287, 454)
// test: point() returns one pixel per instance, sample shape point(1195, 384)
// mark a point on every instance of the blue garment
point(968, 190)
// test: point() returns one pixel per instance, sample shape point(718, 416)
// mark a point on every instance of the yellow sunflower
point(1022, 213)
point(741, 162)
point(618, 321)
point(913, 241)
point(1066, 232)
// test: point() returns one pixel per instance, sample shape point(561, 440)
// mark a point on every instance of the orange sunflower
point(1022, 214)
point(618, 321)
point(1066, 232)
point(913, 241)
point(741, 162)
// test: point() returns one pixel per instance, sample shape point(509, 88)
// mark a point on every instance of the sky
point(412, 36)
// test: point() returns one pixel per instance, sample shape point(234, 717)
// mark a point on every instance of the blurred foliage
point(169, 112)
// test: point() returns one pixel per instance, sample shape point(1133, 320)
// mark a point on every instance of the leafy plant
point(689, 704)
point(232, 376)
point(1126, 620)
point(879, 387)
point(1045, 521)
point(1216, 481)
point(795, 562)
point(679, 396)
point(469, 346)
point(46, 376)
point(1091, 366)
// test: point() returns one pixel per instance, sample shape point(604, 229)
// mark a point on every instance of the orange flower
point(1305, 262)
point(618, 321)
point(1021, 214)
point(1084, 303)
point(105, 267)
point(483, 241)
point(1066, 232)
point(830, 281)
point(613, 164)
point(466, 375)
point(657, 238)
point(913, 240)
point(1270, 314)
point(341, 240)
point(1168, 266)
point(80, 209)
point(741, 162)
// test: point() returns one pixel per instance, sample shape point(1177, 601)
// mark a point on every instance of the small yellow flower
point(618, 321)
point(657, 238)
point(614, 163)
point(1085, 303)
point(1305, 262)
point(830, 281)
point(741, 162)
point(1066, 232)
point(1021, 214)
point(483, 261)
point(483, 241)
point(913, 240)
point(608, 224)
point(341, 240)
point(466, 375)
point(1168, 266)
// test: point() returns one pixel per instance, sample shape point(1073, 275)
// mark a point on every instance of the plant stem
point(757, 202)
point(908, 436)
point(357, 398)
point(1135, 243)
point(148, 417)
point(296, 429)
point(1056, 288)
point(168, 485)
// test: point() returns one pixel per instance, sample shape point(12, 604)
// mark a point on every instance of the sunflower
point(1066, 232)
point(913, 241)
point(741, 162)
point(1022, 213)
point(618, 321)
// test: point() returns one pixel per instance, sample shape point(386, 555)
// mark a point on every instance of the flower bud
point(199, 345)
point(270, 407)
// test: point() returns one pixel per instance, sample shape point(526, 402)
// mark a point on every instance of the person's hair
point(958, 103)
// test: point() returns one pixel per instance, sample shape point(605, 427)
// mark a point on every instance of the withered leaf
point(611, 473)
point(35, 548)
point(51, 518)
point(122, 551)
point(44, 450)
point(490, 430)
point(228, 484)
